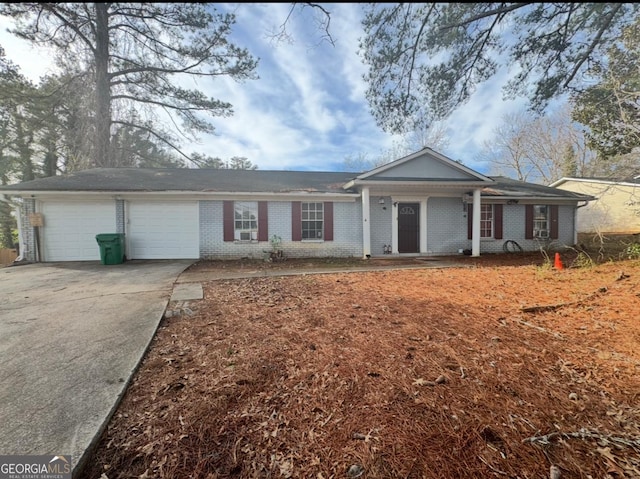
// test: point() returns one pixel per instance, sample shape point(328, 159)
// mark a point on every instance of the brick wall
point(514, 226)
point(381, 221)
point(120, 216)
point(446, 226)
point(28, 207)
point(347, 242)
point(446, 230)
point(567, 226)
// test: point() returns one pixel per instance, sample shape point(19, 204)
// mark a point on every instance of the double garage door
point(153, 229)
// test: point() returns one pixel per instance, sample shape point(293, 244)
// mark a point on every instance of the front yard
point(516, 371)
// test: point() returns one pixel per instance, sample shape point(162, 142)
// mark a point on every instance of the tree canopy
point(216, 163)
point(611, 107)
point(425, 60)
point(539, 149)
point(136, 56)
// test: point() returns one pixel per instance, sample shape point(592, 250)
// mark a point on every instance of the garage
point(70, 228)
point(162, 230)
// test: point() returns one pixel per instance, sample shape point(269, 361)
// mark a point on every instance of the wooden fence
point(8, 255)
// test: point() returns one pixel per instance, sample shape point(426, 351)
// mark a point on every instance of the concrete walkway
point(71, 336)
point(221, 273)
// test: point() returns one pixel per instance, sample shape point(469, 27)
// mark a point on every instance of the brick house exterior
point(422, 204)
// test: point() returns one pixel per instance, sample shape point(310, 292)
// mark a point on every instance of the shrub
point(632, 251)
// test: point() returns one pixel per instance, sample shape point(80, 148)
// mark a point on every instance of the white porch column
point(475, 230)
point(366, 223)
point(423, 226)
point(394, 226)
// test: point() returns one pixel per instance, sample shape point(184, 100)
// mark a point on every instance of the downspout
point(18, 210)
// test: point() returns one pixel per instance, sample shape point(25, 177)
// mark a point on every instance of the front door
point(408, 227)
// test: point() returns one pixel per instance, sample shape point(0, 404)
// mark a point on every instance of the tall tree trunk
point(103, 90)
point(50, 163)
point(23, 142)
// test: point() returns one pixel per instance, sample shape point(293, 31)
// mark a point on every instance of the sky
point(307, 110)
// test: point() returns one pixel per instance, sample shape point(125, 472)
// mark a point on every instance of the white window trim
point(493, 222)
point(238, 232)
point(423, 221)
point(312, 240)
point(546, 231)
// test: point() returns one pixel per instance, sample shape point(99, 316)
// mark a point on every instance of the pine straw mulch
point(429, 373)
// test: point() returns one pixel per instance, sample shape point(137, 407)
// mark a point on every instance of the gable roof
point(186, 180)
point(430, 166)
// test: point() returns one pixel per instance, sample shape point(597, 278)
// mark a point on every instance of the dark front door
point(408, 227)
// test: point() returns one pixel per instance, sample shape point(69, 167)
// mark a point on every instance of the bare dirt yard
point(500, 367)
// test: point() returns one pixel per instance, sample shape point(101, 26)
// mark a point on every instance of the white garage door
point(70, 228)
point(163, 230)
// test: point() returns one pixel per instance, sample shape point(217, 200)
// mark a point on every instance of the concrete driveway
point(71, 334)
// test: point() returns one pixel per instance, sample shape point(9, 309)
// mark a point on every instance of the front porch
point(422, 225)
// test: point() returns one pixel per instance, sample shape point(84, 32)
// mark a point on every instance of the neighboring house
point(422, 204)
point(615, 209)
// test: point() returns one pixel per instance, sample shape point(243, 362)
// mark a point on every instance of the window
point(312, 220)
point(490, 221)
point(540, 221)
point(246, 220)
point(316, 219)
point(486, 221)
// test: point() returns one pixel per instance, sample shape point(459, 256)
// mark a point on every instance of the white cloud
point(34, 61)
point(348, 33)
point(303, 112)
point(474, 123)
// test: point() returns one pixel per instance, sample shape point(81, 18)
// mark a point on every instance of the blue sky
point(308, 110)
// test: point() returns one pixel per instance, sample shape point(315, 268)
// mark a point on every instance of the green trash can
point(111, 248)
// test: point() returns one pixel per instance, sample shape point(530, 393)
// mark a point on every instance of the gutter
point(189, 195)
point(524, 200)
point(18, 210)
point(240, 196)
